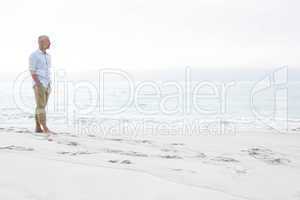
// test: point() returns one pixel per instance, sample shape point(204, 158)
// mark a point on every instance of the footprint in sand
point(170, 156)
point(74, 153)
point(225, 159)
point(126, 153)
point(177, 144)
point(73, 143)
point(16, 148)
point(16, 130)
point(169, 150)
point(267, 156)
point(127, 162)
point(113, 161)
point(183, 170)
point(134, 153)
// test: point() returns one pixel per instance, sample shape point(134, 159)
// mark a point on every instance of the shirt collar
point(40, 51)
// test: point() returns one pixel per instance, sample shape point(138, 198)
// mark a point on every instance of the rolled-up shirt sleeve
point(32, 63)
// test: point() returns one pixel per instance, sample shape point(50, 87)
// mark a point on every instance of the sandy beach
point(251, 165)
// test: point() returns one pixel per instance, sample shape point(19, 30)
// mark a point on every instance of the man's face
point(45, 43)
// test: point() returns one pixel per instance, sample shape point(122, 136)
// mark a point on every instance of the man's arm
point(35, 78)
point(32, 68)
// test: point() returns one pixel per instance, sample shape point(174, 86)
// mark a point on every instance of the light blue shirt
point(40, 64)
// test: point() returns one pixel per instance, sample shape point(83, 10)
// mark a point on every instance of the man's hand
point(38, 83)
point(35, 79)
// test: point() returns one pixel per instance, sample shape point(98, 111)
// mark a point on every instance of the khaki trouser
point(41, 98)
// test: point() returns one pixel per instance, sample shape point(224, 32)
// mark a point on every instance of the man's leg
point(41, 99)
point(38, 96)
point(38, 128)
point(47, 93)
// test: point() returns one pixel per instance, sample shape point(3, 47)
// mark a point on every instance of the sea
point(112, 102)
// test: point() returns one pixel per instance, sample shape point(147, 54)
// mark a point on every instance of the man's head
point(44, 42)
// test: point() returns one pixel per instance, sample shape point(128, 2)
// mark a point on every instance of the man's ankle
point(46, 130)
point(38, 130)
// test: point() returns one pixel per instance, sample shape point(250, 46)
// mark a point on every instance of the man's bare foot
point(46, 130)
point(38, 130)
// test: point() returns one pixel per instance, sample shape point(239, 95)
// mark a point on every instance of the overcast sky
point(152, 34)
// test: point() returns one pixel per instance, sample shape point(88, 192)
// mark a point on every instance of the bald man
point(39, 66)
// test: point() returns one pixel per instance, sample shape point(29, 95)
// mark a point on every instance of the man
point(39, 66)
